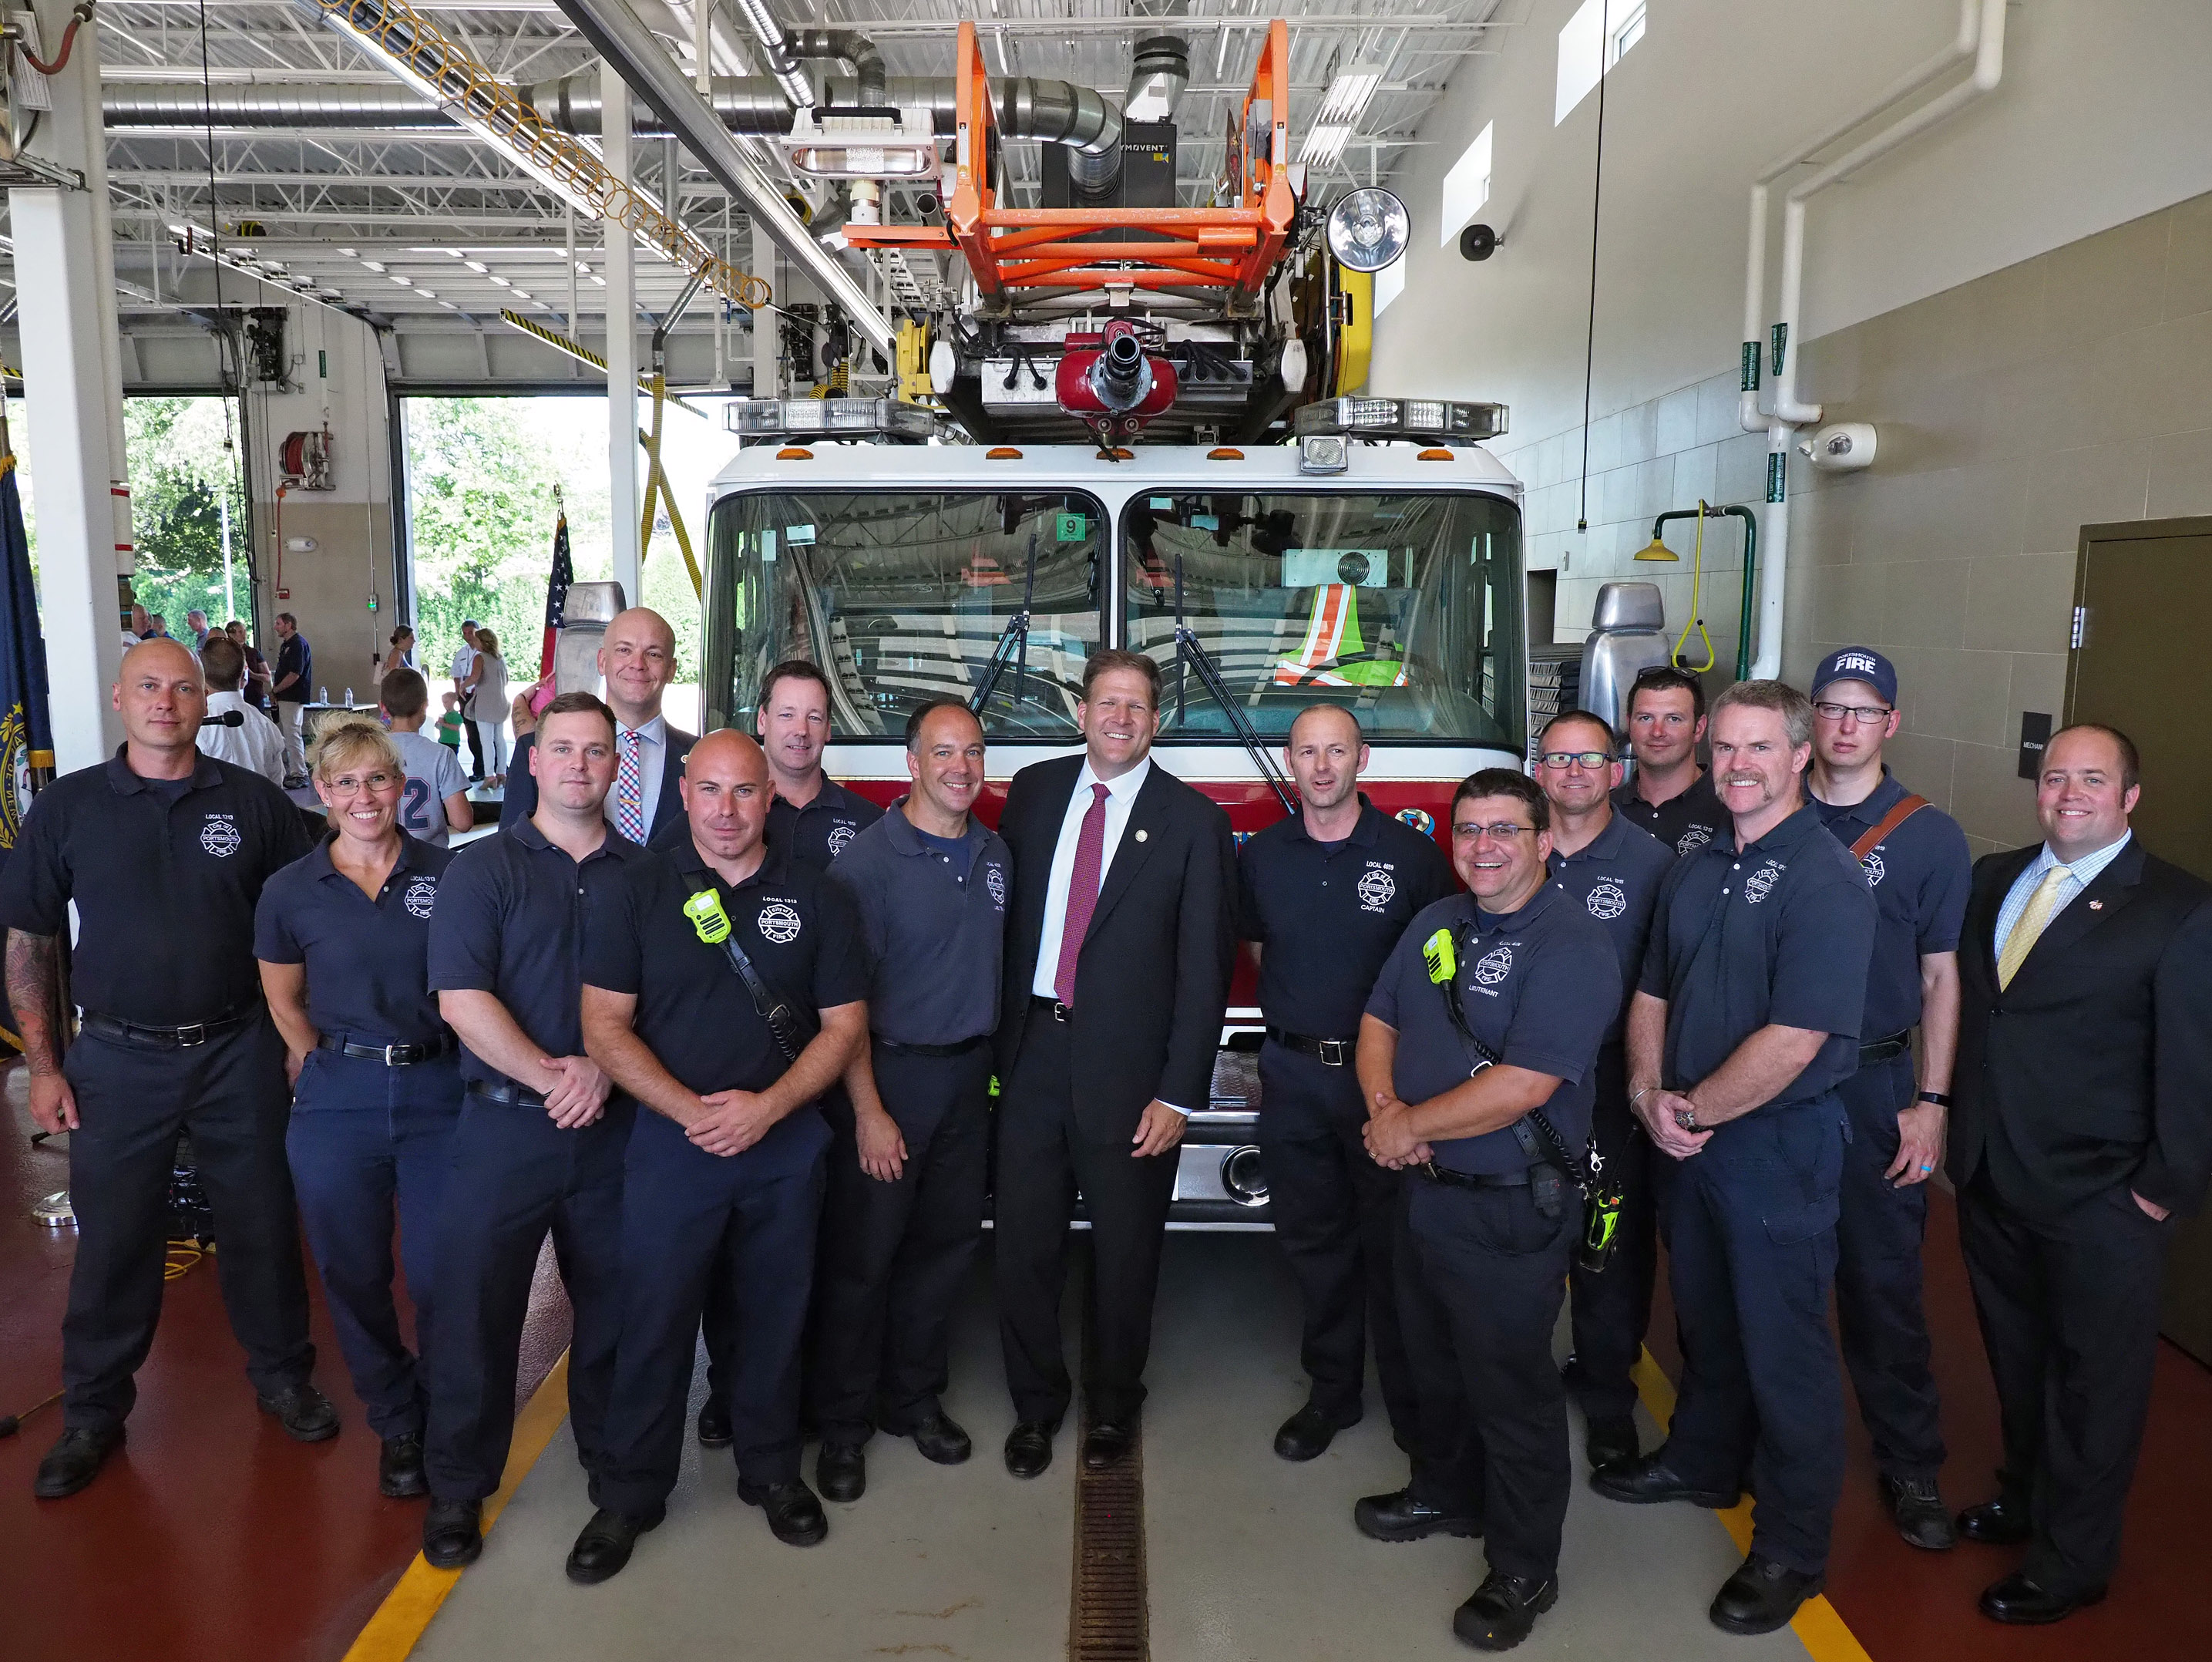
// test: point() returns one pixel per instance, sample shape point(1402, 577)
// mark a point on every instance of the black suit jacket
point(1152, 978)
point(2094, 1068)
point(520, 799)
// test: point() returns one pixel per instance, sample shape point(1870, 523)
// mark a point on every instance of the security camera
point(1479, 242)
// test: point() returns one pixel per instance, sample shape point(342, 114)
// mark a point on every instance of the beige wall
point(2071, 389)
point(330, 586)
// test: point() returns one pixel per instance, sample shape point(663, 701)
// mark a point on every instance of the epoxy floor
point(1248, 1556)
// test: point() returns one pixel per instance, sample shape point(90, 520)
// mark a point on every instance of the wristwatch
point(1938, 1098)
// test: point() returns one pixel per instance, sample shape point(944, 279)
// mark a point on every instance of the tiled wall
point(2072, 388)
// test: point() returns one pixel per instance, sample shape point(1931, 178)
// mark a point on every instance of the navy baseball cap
point(1858, 664)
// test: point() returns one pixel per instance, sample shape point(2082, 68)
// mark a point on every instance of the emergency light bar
point(829, 418)
point(1438, 420)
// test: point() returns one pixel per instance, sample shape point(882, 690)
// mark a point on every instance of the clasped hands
point(1660, 1112)
point(1389, 1135)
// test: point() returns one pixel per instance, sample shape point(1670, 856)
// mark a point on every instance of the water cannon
point(1113, 383)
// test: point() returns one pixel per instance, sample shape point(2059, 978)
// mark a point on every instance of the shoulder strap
point(791, 1036)
point(1902, 810)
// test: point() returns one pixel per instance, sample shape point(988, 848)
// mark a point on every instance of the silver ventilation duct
point(846, 47)
point(1061, 113)
point(1158, 72)
point(187, 104)
point(783, 63)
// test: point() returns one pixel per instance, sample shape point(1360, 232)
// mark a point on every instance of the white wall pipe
point(1981, 36)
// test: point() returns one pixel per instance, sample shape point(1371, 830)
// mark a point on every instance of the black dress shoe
point(1649, 1480)
point(605, 1546)
point(1998, 1523)
point(1398, 1516)
point(841, 1471)
point(1307, 1434)
point(2019, 1602)
point(453, 1533)
point(304, 1412)
point(1107, 1442)
point(794, 1516)
point(941, 1439)
point(399, 1468)
point(714, 1425)
point(1918, 1505)
point(1503, 1611)
point(75, 1459)
point(1029, 1447)
point(1610, 1440)
point(1762, 1595)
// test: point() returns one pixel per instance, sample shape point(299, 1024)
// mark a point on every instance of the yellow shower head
point(1658, 550)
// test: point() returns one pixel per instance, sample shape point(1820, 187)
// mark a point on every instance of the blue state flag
point(27, 735)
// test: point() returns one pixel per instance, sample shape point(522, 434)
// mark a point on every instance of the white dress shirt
point(652, 766)
point(255, 744)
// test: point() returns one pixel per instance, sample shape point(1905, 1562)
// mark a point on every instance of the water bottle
point(322, 694)
point(349, 702)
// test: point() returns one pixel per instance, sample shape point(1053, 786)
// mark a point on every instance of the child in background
point(449, 724)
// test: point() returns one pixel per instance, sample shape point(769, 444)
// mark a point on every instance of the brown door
point(2138, 664)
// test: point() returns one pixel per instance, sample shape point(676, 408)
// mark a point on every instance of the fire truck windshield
point(1404, 607)
point(905, 597)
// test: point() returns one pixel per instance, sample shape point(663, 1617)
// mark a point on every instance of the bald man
point(637, 658)
point(164, 851)
point(724, 992)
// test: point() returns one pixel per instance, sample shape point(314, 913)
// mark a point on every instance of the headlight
point(1368, 229)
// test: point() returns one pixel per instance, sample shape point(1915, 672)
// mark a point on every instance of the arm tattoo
point(33, 989)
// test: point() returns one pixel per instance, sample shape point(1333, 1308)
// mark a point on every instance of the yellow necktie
point(2033, 922)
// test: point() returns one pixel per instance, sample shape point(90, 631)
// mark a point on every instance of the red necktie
point(1082, 894)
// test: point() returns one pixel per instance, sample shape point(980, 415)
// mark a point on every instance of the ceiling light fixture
point(1338, 118)
point(476, 266)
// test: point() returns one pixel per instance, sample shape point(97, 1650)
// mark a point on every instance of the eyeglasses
point(353, 785)
point(1564, 759)
point(1504, 831)
point(1863, 712)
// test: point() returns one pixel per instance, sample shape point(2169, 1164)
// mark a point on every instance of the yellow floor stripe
point(392, 1632)
point(1817, 1628)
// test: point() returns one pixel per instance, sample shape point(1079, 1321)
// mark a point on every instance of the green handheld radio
point(705, 911)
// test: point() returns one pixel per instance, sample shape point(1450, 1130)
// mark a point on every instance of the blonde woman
point(343, 937)
point(486, 703)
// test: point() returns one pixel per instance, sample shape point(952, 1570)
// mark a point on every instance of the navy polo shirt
point(1539, 986)
point(165, 875)
point(817, 833)
point(1326, 915)
point(1920, 874)
point(933, 918)
point(368, 961)
point(1682, 822)
point(1617, 880)
point(510, 920)
point(693, 1010)
point(1778, 932)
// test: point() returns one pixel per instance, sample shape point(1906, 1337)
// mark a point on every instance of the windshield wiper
point(1013, 643)
point(1189, 648)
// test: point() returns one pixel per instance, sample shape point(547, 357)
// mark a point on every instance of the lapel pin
point(2096, 905)
point(1140, 837)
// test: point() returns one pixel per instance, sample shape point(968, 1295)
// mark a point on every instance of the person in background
point(232, 731)
point(522, 714)
point(1671, 796)
point(813, 815)
point(293, 686)
point(637, 657)
point(450, 725)
point(486, 704)
point(258, 676)
point(343, 937)
point(136, 628)
point(2082, 1127)
point(195, 624)
point(465, 661)
point(401, 654)
point(157, 627)
point(435, 801)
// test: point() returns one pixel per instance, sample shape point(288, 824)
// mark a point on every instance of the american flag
point(557, 596)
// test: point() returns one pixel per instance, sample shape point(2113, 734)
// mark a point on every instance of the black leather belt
point(1452, 1179)
point(392, 1055)
point(505, 1090)
point(1051, 1006)
point(1329, 1052)
point(1882, 1050)
point(173, 1038)
point(959, 1050)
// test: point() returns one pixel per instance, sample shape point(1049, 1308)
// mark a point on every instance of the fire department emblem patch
point(1606, 902)
point(841, 838)
point(1496, 963)
point(422, 895)
point(1693, 839)
point(1874, 869)
point(1757, 886)
point(994, 880)
point(1376, 887)
point(779, 922)
point(219, 836)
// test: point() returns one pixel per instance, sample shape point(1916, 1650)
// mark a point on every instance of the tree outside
point(185, 474)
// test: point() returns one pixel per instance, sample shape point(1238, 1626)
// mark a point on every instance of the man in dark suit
point(2083, 1124)
point(1117, 969)
point(637, 656)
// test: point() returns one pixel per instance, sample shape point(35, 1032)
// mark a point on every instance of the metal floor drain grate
point(1107, 1617)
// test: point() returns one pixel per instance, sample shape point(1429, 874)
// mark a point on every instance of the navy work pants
point(1612, 1307)
point(685, 1213)
point(370, 1145)
point(1750, 1247)
point(134, 1100)
point(515, 1177)
point(1335, 1213)
point(894, 1255)
point(2070, 1310)
point(1481, 1274)
point(1879, 1235)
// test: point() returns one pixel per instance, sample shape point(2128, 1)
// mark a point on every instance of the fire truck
point(1200, 484)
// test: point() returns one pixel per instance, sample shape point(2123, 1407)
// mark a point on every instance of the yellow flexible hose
point(1697, 587)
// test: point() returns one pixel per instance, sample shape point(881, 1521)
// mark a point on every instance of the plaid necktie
point(629, 792)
